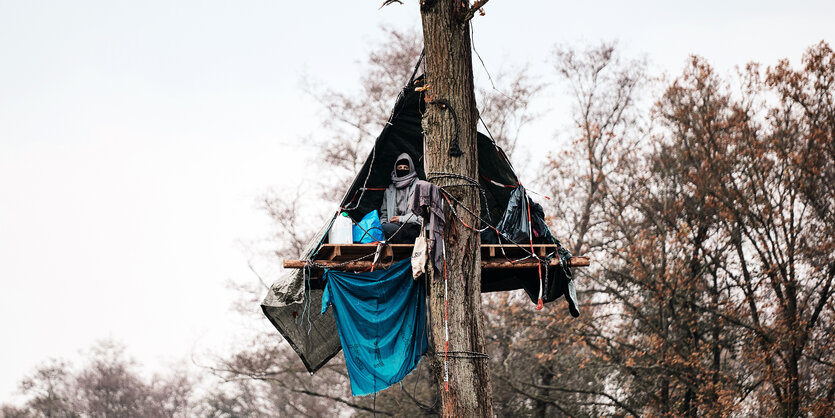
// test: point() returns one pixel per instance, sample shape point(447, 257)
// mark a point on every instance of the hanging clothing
point(428, 202)
point(381, 318)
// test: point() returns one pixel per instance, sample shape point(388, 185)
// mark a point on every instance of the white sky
point(135, 138)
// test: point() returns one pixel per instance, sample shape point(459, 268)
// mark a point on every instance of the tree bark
point(450, 96)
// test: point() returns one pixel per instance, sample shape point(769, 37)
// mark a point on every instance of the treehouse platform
point(500, 263)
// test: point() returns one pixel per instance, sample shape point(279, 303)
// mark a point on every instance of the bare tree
point(355, 116)
point(50, 390)
point(107, 385)
point(608, 128)
point(505, 106)
point(583, 179)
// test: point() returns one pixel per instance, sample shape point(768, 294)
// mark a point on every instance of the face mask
point(401, 173)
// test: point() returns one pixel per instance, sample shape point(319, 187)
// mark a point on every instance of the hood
point(403, 156)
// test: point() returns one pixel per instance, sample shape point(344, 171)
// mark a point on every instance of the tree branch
point(473, 9)
point(340, 400)
point(616, 402)
point(417, 402)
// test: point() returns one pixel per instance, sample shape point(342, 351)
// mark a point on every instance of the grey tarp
point(296, 315)
point(316, 341)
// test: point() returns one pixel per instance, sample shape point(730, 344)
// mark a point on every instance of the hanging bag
point(514, 225)
point(419, 253)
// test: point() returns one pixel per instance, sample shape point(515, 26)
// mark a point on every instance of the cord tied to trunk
point(454, 149)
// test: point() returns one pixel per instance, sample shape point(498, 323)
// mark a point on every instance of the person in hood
point(400, 225)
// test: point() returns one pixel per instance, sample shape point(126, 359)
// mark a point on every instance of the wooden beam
point(530, 263)
point(337, 251)
point(486, 264)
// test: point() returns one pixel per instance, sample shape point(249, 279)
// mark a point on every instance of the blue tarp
point(380, 316)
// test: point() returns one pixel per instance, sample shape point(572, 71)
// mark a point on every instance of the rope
point(454, 149)
point(376, 256)
point(489, 134)
point(498, 148)
point(489, 77)
point(538, 194)
point(501, 151)
point(367, 231)
point(498, 233)
point(464, 354)
point(454, 213)
point(446, 324)
point(473, 182)
point(368, 174)
point(306, 304)
point(530, 236)
point(417, 66)
point(441, 174)
point(331, 266)
point(501, 236)
point(496, 183)
point(448, 196)
point(308, 273)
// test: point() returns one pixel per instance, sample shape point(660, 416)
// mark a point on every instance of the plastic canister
point(342, 230)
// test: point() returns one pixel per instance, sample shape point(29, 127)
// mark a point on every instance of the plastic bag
point(369, 229)
point(514, 225)
point(522, 215)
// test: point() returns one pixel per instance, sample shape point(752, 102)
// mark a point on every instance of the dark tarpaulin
point(404, 134)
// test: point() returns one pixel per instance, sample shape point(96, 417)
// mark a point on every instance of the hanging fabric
point(381, 321)
point(427, 202)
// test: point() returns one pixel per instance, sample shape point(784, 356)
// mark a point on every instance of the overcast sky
point(136, 137)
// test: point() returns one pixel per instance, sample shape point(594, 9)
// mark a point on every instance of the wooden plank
point(335, 252)
point(325, 253)
point(532, 263)
point(353, 251)
point(487, 264)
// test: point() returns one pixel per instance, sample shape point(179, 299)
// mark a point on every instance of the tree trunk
point(449, 77)
point(540, 408)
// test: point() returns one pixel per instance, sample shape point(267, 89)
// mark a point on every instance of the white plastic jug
point(342, 230)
